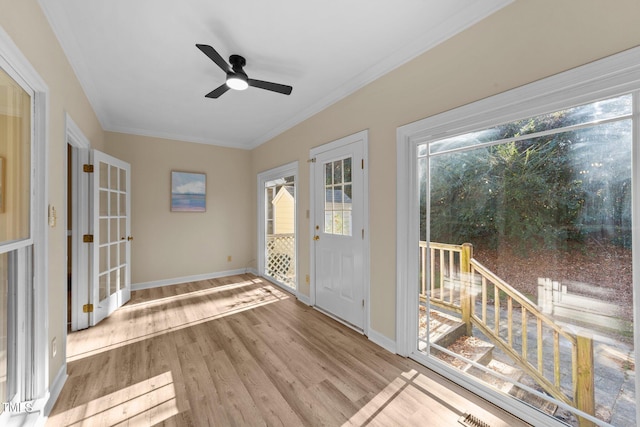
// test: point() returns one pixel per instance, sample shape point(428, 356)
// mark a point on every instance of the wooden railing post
point(583, 395)
point(465, 279)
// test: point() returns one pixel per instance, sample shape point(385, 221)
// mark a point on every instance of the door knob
point(316, 237)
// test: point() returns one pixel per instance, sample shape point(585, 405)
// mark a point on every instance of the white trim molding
point(304, 299)
point(55, 388)
point(34, 317)
point(609, 77)
point(382, 340)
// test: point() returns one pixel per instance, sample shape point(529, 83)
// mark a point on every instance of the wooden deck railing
point(459, 283)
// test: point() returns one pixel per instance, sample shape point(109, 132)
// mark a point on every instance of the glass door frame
point(615, 75)
point(289, 169)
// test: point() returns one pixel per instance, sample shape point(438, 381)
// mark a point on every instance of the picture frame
point(188, 191)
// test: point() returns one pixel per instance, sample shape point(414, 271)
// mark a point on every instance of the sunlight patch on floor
point(418, 399)
point(146, 403)
point(152, 320)
point(187, 295)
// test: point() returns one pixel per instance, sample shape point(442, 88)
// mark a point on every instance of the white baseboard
point(304, 299)
point(384, 342)
point(253, 271)
point(187, 279)
point(55, 389)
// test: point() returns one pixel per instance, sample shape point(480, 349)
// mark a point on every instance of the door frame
point(32, 311)
point(79, 225)
point(362, 137)
point(289, 169)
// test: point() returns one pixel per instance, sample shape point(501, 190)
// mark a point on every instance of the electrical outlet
point(229, 258)
point(307, 279)
point(54, 347)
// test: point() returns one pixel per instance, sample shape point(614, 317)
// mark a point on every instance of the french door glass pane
point(526, 259)
point(280, 254)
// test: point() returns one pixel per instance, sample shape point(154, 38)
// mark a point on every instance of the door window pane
point(103, 286)
point(104, 175)
point(338, 197)
point(113, 177)
point(113, 281)
point(123, 180)
point(104, 203)
point(527, 277)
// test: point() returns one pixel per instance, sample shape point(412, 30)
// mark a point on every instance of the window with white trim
point(16, 242)
point(524, 289)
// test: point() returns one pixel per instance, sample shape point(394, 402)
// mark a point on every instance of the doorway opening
point(77, 225)
point(277, 225)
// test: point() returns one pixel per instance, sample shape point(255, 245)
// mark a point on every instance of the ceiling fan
point(236, 77)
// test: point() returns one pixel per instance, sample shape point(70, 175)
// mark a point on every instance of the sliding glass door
point(518, 257)
point(526, 260)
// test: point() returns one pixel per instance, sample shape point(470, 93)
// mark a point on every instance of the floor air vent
point(469, 420)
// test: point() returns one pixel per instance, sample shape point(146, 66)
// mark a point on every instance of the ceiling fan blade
point(274, 87)
point(214, 56)
point(217, 92)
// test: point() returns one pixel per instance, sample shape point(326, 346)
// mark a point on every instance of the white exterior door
point(111, 250)
point(339, 228)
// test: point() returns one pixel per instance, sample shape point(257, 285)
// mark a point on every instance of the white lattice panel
point(281, 258)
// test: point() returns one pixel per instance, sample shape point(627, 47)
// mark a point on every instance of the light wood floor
point(240, 351)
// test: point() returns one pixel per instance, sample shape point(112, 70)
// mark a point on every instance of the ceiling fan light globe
point(237, 83)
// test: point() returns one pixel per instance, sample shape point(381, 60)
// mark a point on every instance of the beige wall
point(523, 42)
point(27, 26)
point(170, 245)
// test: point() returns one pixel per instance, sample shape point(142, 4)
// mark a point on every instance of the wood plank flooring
point(240, 351)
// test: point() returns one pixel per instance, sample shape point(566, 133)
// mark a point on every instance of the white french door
point(110, 214)
point(339, 244)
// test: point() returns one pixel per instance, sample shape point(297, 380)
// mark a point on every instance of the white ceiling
point(142, 73)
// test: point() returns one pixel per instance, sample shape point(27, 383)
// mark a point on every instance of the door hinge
point(87, 168)
point(87, 308)
point(362, 303)
point(312, 160)
point(87, 238)
point(363, 234)
point(362, 163)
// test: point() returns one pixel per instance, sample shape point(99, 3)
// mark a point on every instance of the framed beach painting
point(188, 192)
